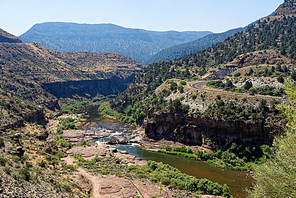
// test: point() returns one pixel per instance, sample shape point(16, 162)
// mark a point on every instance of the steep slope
point(268, 46)
point(33, 77)
point(46, 66)
point(137, 44)
point(287, 8)
point(185, 49)
point(191, 47)
point(8, 38)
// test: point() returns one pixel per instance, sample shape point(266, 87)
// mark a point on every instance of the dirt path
point(95, 180)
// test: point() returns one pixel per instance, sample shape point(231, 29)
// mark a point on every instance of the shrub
point(66, 186)
point(166, 180)
point(2, 142)
point(168, 148)
point(3, 161)
point(42, 163)
point(25, 173)
point(280, 79)
point(177, 184)
point(7, 170)
point(181, 89)
point(63, 143)
point(69, 167)
point(248, 85)
point(183, 83)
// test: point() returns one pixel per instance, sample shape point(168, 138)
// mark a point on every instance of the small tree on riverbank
point(277, 177)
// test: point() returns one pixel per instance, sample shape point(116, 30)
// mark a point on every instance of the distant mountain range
point(191, 47)
point(137, 44)
point(185, 49)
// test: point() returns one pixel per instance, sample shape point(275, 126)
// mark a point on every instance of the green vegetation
point(277, 34)
point(181, 154)
point(247, 88)
point(229, 111)
point(235, 157)
point(67, 124)
point(156, 172)
point(62, 142)
point(277, 176)
point(1, 143)
point(132, 114)
point(185, 49)
point(72, 106)
point(138, 44)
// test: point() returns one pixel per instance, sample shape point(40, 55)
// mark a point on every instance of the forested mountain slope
point(191, 47)
point(276, 34)
point(137, 44)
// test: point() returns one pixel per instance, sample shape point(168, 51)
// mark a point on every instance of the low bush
point(181, 154)
point(25, 173)
point(1, 142)
point(42, 163)
point(3, 161)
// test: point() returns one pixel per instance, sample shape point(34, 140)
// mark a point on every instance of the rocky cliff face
point(86, 88)
point(206, 132)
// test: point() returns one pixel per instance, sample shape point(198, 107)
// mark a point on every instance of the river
point(236, 180)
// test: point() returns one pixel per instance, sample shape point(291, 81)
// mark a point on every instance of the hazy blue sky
point(17, 16)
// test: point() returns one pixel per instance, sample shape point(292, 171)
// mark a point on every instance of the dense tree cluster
point(269, 33)
point(248, 88)
point(229, 111)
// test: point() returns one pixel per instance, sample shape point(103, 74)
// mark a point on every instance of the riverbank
point(124, 161)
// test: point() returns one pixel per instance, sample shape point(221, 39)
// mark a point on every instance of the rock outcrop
point(104, 151)
point(113, 85)
point(260, 57)
point(213, 134)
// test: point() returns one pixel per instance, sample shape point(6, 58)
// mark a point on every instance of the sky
point(18, 16)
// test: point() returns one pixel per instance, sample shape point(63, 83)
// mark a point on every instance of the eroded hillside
point(33, 77)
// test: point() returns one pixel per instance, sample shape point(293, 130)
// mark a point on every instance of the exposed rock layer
point(88, 87)
point(213, 134)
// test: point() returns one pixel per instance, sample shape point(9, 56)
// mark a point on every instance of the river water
point(236, 180)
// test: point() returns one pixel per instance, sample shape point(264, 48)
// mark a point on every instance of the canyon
point(209, 133)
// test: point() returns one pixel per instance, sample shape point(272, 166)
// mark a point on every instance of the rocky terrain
point(9, 38)
point(260, 57)
point(33, 78)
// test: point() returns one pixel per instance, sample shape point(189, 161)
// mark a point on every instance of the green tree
point(228, 84)
point(248, 85)
point(293, 74)
point(250, 72)
point(277, 176)
point(280, 78)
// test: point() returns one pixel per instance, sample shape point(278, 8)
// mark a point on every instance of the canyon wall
point(212, 134)
point(91, 88)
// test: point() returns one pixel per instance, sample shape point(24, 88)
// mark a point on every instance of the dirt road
point(95, 180)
